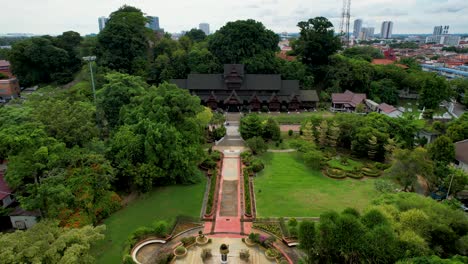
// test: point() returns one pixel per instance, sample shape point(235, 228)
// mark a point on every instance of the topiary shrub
point(354, 175)
point(180, 250)
point(290, 132)
point(257, 165)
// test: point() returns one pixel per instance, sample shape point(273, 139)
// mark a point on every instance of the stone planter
point(202, 241)
point(270, 257)
point(249, 243)
point(180, 255)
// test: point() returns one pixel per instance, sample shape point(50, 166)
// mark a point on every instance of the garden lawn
point(160, 204)
point(286, 187)
point(352, 165)
point(293, 117)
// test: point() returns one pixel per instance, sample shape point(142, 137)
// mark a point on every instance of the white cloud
point(56, 16)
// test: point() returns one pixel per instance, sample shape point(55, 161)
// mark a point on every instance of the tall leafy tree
point(166, 119)
point(442, 150)
point(37, 60)
point(242, 39)
point(250, 126)
point(117, 92)
point(123, 43)
point(203, 61)
point(408, 164)
point(435, 89)
point(196, 35)
point(317, 41)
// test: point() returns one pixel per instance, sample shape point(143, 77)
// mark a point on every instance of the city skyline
point(409, 16)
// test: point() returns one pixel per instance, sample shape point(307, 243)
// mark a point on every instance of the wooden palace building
point(234, 90)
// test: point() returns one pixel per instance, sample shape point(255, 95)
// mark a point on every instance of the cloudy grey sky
point(56, 16)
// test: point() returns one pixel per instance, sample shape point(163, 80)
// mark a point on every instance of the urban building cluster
point(366, 33)
point(441, 36)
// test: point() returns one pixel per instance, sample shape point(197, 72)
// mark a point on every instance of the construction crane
point(344, 24)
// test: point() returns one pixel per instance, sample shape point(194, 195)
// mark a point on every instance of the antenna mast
point(344, 24)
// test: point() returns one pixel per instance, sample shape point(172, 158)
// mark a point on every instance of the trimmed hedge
point(370, 172)
point(335, 173)
point(211, 194)
point(247, 199)
point(354, 175)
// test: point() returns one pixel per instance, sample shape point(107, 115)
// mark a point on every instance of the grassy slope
point(288, 188)
point(160, 204)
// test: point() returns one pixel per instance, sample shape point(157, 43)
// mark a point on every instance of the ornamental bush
point(257, 165)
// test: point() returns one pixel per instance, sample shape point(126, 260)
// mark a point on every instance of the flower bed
point(272, 228)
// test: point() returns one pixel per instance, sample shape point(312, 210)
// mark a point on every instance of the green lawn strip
point(352, 165)
point(164, 203)
point(286, 187)
point(293, 117)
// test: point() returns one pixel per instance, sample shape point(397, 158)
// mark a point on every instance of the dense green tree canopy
point(317, 41)
point(47, 243)
point(196, 35)
point(396, 227)
point(165, 122)
point(117, 92)
point(123, 43)
point(242, 39)
point(37, 60)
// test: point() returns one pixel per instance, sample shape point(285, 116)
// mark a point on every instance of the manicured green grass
point(285, 143)
point(161, 204)
point(288, 188)
point(293, 117)
point(352, 165)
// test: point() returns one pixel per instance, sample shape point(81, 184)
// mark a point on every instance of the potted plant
point(250, 241)
point(180, 251)
point(271, 254)
point(244, 254)
point(206, 254)
point(201, 239)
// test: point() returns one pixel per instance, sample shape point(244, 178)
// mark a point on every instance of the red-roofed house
point(388, 110)
point(5, 193)
point(388, 62)
point(347, 101)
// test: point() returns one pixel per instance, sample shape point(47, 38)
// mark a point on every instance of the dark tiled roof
point(4, 189)
point(205, 82)
point(181, 83)
point(262, 82)
point(308, 96)
point(239, 68)
point(289, 87)
point(349, 98)
point(461, 151)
